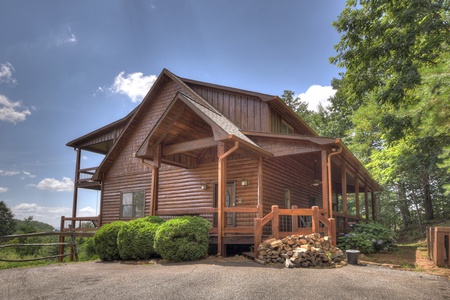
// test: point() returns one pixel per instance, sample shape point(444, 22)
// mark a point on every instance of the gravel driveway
point(230, 278)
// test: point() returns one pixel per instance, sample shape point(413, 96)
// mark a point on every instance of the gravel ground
point(230, 278)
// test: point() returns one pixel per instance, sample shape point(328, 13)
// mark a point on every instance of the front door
point(230, 201)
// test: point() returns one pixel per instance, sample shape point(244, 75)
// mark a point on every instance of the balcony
point(84, 179)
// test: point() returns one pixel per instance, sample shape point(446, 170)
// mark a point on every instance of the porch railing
point(318, 224)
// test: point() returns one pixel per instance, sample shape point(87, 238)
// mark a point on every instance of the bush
point(183, 239)
point(86, 249)
point(105, 241)
point(136, 238)
point(368, 238)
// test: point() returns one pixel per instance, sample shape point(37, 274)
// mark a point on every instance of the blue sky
point(70, 67)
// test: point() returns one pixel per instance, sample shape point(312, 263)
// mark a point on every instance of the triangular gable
point(222, 129)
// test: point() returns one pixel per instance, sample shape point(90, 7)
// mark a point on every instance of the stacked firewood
point(300, 251)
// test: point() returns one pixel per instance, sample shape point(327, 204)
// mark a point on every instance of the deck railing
point(318, 224)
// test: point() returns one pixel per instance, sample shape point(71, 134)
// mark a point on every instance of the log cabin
point(242, 160)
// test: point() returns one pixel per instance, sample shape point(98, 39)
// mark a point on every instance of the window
point(286, 128)
point(133, 205)
point(287, 198)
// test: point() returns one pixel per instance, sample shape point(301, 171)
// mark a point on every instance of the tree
point(384, 43)
point(7, 225)
point(395, 92)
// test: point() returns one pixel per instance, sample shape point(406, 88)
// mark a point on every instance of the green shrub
point(86, 249)
point(105, 241)
point(136, 238)
point(183, 239)
point(368, 238)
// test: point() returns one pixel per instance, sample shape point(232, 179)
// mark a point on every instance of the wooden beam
point(189, 146)
point(344, 194)
point(221, 196)
point(366, 201)
point(260, 185)
point(358, 210)
point(155, 164)
point(324, 182)
point(374, 206)
point(154, 191)
point(75, 188)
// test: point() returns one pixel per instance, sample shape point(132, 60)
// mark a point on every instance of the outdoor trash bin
point(352, 256)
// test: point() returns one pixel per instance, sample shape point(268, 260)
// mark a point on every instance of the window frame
point(285, 128)
point(133, 205)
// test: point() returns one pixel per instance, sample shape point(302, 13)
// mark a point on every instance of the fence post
point(332, 231)
point(61, 239)
point(275, 222)
point(315, 219)
point(294, 219)
point(257, 238)
point(73, 245)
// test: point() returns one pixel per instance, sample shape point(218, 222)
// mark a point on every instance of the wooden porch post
point(325, 182)
point(221, 193)
point(366, 202)
point(156, 164)
point(344, 195)
point(374, 206)
point(358, 211)
point(75, 187)
point(260, 186)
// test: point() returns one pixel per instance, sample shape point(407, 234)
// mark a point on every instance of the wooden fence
point(72, 244)
point(438, 240)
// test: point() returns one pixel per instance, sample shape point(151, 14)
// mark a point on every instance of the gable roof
point(111, 138)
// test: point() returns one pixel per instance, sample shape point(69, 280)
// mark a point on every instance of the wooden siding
point(114, 186)
point(275, 124)
point(180, 188)
point(247, 112)
point(282, 173)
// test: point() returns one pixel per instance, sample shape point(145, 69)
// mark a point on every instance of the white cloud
point(65, 37)
point(134, 85)
point(317, 94)
point(14, 173)
point(87, 212)
point(12, 111)
point(28, 174)
point(51, 184)
point(6, 71)
point(3, 189)
point(8, 173)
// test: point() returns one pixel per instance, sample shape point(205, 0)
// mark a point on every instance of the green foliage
point(183, 239)
point(384, 44)
point(136, 238)
point(86, 249)
point(105, 241)
point(28, 225)
point(368, 238)
point(7, 225)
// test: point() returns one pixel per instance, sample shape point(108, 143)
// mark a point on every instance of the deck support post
point(75, 187)
point(358, 211)
point(366, 201)
point(324, 181)
point(374, 206)
point(156, 164)
point(344, 195)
